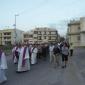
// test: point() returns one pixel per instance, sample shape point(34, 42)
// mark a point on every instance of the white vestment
point(27, 62)
point(34, 56)
point(51, 52)
point(14, 56)
point(3, 67)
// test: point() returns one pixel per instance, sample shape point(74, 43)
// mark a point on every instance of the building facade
point(28, 37)
point(10, 36)
point(76, 32)
point(0, 37)
point(41, 35)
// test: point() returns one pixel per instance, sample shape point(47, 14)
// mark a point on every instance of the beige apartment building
point(10, 36)
point(41, 35)
point(76, 32)
point(0, 37)
point(28, 37)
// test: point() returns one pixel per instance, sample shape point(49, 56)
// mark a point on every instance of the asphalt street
point(44, 73)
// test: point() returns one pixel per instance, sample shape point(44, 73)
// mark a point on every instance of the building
point(76, 32)
point(28, 37)
point(41, 35)
point(0, 37)
point(10, 36)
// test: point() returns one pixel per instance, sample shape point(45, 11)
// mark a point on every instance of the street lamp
point(15, 26)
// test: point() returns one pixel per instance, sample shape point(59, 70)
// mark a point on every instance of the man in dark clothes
point(44, 51)
point(47, 50)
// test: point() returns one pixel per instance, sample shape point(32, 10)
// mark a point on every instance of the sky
point(40, 13)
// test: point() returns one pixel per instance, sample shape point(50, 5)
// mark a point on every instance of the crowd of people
point(26, 55)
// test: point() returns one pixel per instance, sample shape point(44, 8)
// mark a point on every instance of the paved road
point(44, 74)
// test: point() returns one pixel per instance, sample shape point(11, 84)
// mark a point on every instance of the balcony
point(73, 33)
point(26, 35)
point(7, 33)
point(39, 34)
point(82, 31)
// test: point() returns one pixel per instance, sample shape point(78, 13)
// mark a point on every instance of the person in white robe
point(34, 55)
point(23, 63)
point(51, 47)
point(15, 52)
point(30, 50)
point(3, 67)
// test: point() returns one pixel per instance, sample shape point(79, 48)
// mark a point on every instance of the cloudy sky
point(37, 13)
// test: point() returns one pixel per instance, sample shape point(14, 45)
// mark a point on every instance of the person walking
point(51, 47)
point(44, 56)
point(23, 63)
point(71, 49)
point(65, 53)
point(34, 54)
point(3, 67)
point(56, 55)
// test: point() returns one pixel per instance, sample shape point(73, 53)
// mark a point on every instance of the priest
point(34, 54)
point(15, 52)
point(23, 62)
point(3, 67)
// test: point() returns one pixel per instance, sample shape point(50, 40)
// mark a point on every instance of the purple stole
point(33, 49)
point(23, 60)
point(14, 53)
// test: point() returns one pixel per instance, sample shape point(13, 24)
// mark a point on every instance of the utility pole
point(15, 27)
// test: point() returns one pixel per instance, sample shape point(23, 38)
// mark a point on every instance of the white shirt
point(51, 48)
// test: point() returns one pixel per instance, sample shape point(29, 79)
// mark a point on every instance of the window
point(35, 37)
point(7, 37)
point(25, 41)
point(39, 37)
point(53, 32)
point(7, 42)
point(45, 33)
point(44, 37)
point(49, 37)
point(7, 33)
point(30, 36)
point(4, 37)
point(78, 38)
point(49, 32)
point(25, 35)
point(39, 33)
point(78, 28)
point(35, 32)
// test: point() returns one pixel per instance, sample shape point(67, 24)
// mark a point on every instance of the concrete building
point(41, 35)
point(0, 37)
point(76, 32)
point(28, 37)
point(10, 36)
